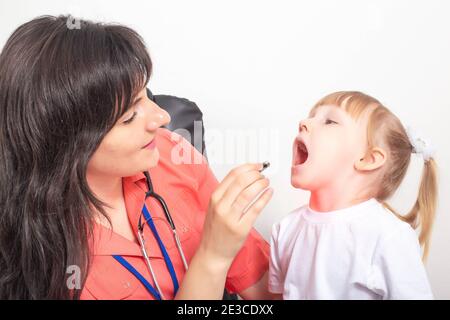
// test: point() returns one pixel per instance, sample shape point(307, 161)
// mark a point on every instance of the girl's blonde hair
point(385, 130)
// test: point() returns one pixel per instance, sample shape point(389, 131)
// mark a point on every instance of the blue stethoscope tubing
point(156, 292)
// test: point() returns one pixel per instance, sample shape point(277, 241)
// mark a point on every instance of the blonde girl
point(352, 154)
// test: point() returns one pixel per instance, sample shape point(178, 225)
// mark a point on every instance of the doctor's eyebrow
point(136, 101)
point(130, 110)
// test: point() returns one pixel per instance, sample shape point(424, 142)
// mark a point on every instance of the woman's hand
point(232, 212)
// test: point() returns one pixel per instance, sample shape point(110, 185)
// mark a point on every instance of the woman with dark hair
point(77, 133)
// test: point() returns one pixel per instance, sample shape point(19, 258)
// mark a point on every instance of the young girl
point(348, 243)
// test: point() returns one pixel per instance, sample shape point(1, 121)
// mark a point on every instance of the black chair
point(184, 114)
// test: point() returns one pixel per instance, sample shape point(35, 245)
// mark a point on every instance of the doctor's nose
point(158, 118)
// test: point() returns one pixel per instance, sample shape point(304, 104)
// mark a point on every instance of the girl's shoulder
point(388, 222)
point(381, 226)
point(289, 223)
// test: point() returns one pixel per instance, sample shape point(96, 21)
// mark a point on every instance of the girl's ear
point(374, 159)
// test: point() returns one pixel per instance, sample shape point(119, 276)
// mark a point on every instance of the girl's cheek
point(330, 146)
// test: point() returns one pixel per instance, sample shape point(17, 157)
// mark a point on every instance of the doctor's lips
point(150, 145)
point(300, 153)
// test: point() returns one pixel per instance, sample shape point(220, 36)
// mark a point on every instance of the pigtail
point(424, 210)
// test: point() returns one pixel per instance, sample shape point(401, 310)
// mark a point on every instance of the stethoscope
point(156, 292)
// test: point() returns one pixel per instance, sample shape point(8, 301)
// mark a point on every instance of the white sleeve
point(276, 277)
point(400, 273)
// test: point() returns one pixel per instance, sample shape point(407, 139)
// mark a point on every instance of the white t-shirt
point(360, 252)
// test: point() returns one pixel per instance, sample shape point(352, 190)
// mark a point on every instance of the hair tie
point(419, 144)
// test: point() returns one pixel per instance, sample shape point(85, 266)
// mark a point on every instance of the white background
point(263, 64)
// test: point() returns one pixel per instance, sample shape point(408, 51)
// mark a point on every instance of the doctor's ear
point(373, 159)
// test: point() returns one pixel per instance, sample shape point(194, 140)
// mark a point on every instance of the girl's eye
point(329, 121)
point(131, 119)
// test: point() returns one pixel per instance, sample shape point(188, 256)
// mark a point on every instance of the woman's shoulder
point(181, 168)
point(166, 138)
point(166, 134)
point(178, 149)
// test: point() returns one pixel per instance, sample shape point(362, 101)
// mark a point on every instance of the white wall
point(262, 64)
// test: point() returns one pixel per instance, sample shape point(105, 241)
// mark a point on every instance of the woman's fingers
point(249, 217)
point(247, 197)
point(226, 225)
point(238, 185)
point(231, 176)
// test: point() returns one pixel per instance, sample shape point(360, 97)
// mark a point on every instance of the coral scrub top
point(186, 188)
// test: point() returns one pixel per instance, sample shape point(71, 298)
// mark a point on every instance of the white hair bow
point(420, 145)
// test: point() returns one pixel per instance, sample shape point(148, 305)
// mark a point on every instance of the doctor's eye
point(130, 119)
point(329, 121)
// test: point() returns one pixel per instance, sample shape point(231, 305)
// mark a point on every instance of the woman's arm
point(259, 291)
point(204, 280)
point(226, 227)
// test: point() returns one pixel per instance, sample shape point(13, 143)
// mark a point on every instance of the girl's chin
point(299, 183)
point(298, 178)
point(299, 170)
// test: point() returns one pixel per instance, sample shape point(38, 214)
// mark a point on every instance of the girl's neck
point(331, 199)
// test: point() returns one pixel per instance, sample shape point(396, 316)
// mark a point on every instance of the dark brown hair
point(63, 86)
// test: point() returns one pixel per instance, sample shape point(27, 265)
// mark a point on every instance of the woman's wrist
point(205, 278)
point(211, 262)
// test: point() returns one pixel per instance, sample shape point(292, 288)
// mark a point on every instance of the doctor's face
point(130, 146)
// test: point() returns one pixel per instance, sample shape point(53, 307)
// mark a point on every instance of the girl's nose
point(303, 126)
point(158, 118)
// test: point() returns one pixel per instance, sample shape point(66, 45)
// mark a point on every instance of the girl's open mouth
point(300, 153)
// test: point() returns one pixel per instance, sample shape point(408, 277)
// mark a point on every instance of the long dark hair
point(63, 85)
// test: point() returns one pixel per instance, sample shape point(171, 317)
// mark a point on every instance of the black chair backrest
point(187, 118)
